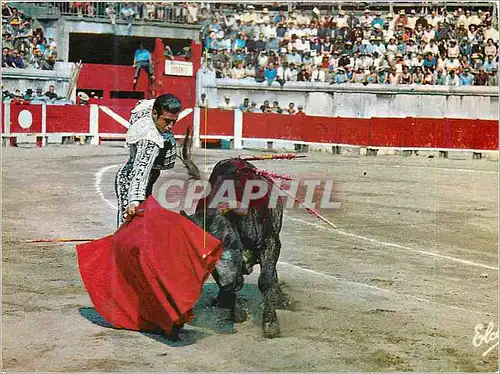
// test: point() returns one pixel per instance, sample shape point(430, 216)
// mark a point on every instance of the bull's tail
point(192, 169)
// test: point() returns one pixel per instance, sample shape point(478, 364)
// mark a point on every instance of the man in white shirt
point(453, 49)
point(378, 46)
point(433, 19)
point(490, 33)
point(367, 18)
point(429, 34)
point(291, 73)
point(227, 104)
point(467, 19)
point(477, 18)
point(250, 16)
point(341, 19)
point(452, 79)
point(264, 17)
point(431, 47)
point(412, 19)
point(302, 18)
point(452, 64)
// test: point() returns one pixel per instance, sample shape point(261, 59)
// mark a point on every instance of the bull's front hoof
point(271, 329)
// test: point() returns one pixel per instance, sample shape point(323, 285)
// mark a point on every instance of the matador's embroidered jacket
point(150, 152)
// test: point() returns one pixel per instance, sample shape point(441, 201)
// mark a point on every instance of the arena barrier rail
point(299, 132)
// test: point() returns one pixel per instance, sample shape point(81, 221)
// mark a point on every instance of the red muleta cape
point(150, 273)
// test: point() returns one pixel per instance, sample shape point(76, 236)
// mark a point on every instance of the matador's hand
point(131, 209)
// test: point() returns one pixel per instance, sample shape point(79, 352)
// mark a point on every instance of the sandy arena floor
point(400, 286)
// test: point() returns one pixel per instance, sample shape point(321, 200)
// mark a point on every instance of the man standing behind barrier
point(152, 149)
point(142, 60)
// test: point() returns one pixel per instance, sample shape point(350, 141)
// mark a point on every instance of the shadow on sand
point(208, 319)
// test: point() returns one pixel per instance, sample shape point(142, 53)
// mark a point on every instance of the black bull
point(248, 239)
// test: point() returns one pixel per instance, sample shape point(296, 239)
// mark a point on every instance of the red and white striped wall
point(103, 122)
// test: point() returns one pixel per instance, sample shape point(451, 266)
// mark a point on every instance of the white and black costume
point(150, 152)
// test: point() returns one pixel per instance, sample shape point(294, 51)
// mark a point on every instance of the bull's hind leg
point(268, 285)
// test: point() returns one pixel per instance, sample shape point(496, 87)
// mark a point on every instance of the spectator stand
point(346, 43)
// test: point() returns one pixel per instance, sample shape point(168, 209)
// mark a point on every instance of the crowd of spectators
point(160, 11)
point(418, 46)
point(31, 96)
point(23, 42)
point(251, 106)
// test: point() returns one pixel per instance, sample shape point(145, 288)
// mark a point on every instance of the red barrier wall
point(383, 132)
point(450, 133)
point(74, 118)
point(36, 115)
point(219, 122)
point(108, 125)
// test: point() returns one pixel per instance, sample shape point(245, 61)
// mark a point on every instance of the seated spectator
point(406, 77)
point(372, 77)
point(429, 78)
point(51, 93)
point(300, 111)
point(259, 74)
point(227, 104)
point(464, 63)
point(36, 59)
point(6, 59)
point(453, 49)
point(477, 62)
point(270, 74)
point(430, 61)
point(304, 75)
point(28, 95)
point(238, 72)
point(203, 102)
point(49, 62)
point(249, 71)
point(493, 78)
point(276, 108)
point(245, 106)
point(452, 63)
point(452, 79)
point(358, 76)
point(440, 77)
point(39, 97)
point(340, 76)
point(382, 73)
point(490, 49)
point(418, 76)
point(466, 78)
point(318, 74)
point(265, 108)
point(291, 73)
point(169, 55)
point(490, 64)
point(393, 77)
point(481, 78)
point(291, 109)
point(294, 57)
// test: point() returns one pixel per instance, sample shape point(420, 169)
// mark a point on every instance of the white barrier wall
point(356, 100)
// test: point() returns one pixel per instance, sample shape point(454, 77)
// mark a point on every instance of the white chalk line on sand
point(382, 290)
point(97, 184)
point(393, 245)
